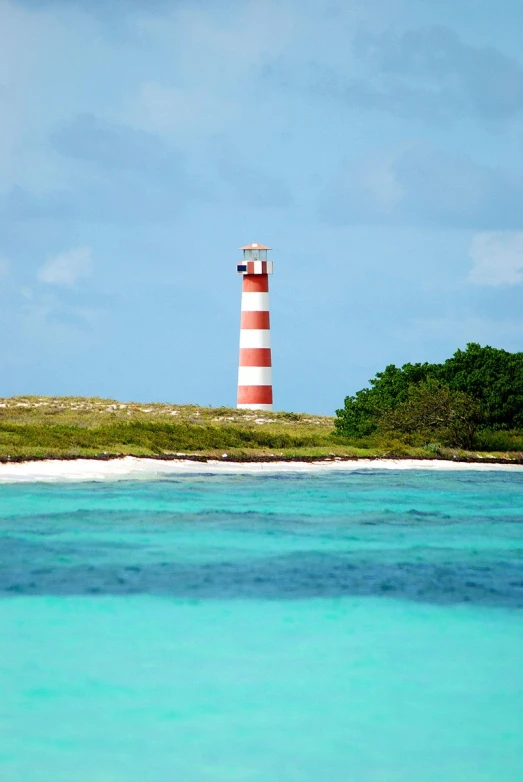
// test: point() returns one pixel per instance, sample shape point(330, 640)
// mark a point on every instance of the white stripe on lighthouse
point(255, 338)
point(255, 376)
point(255, 302)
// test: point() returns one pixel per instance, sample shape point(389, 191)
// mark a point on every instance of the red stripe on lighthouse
point(255, 395)
point(256, 320)
point(255, 283)
point(255, 357)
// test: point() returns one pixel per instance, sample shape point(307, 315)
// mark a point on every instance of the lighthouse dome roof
point(255, 246)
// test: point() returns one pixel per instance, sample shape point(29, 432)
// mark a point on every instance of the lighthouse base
point(254, 407)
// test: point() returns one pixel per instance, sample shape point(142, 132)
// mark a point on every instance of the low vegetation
point(44, 427)
point(38, 427)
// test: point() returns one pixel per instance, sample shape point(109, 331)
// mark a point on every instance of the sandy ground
point(136, 468)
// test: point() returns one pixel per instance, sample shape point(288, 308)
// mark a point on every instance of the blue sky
point(376, 145)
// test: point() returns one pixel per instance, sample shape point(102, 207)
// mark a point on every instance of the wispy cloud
point(497, 258)
point(428, 73)
point(421, 184)
point(5, 265)
point(67, 268)
point(117, 173)
point(115, 147)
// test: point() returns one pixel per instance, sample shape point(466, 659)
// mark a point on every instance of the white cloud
point(497, 257)
point(68, 267)
point(5, 265)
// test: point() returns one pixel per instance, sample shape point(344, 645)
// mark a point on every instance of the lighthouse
point(255, 370)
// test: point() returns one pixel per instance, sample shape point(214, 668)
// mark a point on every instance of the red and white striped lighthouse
point(255, 370)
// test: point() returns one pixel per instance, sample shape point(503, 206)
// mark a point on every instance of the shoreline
point(147, 468)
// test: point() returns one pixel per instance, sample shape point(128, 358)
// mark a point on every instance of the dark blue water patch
point(298, 575)
point(17, 548)
point(81, 519)
point(442, 538)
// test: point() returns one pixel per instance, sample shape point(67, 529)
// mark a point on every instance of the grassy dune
point(72, 427)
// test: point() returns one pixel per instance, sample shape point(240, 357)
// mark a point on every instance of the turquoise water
point(363, 626)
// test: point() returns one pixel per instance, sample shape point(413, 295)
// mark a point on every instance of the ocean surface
point(349, 627)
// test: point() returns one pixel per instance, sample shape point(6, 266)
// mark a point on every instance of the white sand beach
point(130, 467)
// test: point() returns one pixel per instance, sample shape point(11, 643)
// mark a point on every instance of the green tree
point(433, 411)
point(492, 377)
point(361, 413)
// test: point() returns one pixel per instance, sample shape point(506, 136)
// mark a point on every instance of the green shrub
point(488, 440)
